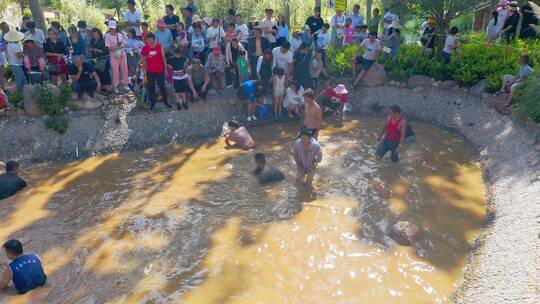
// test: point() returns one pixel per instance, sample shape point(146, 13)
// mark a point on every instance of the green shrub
point(527, 99)
point(59, 124)
point(338, 60)
point(16, 99)
point(48, 102)
point(474, 61)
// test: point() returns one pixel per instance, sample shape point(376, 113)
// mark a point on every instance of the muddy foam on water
point(189, 224)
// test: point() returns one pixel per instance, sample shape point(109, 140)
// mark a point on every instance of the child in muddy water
point(24, 272)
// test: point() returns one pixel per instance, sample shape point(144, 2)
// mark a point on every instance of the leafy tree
point(444, 11)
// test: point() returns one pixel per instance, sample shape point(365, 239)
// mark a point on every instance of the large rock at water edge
point(88, 103)
point(500, 102)
point(448, 84)
point(375, 76)
point(418, 81)
point(479, 88)
point(405, 233)
point(31, 99)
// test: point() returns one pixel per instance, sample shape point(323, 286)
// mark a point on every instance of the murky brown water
point(190, 224)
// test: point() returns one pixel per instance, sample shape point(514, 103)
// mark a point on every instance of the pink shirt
point(242, 138)
point(112, 41)
point(348, 35)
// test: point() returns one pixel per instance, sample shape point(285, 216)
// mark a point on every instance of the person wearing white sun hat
point(392, 40)
point(14, 54)
point(116, 42)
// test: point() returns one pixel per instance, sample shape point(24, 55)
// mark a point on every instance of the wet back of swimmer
point(10, 182)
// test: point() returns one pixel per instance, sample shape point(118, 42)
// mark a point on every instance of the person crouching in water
point(394, 132)
point(266, 173)
point(25, 271)
point(238, 136)
point(307, 155)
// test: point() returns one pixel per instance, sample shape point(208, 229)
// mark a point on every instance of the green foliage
point(58, 124)
point(48, 102)
point(72, 11)
point(527, 99)
point(16, 99)
point(53, 104)
point(339, 60)
point(474, 61)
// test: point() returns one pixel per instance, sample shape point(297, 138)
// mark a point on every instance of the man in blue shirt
point(251, 90)
point(25, 271)
point(356, 17)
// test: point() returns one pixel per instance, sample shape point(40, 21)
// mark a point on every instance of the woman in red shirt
point(335, 99)
point(154, 60)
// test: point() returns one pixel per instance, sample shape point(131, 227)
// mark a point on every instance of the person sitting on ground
point(511, 83)
point(307, 155)
point(392, 134)
point(215, 65)
point(25, 271)
point(294, 99)
point(10, 182)
point(266, 173)
point(84, 78)
point(335, 98)
point(238, 136)
point(253, 92)
point(198, 80)
point(34, 60)
point(313, 119)
point(372, 48)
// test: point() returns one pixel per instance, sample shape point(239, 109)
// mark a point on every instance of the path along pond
point(189, 224)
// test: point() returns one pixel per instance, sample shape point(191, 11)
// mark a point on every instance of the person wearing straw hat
point(196, 21)
point(253, 23)
point(511, 23)
point(14, 54)
point(393, 40)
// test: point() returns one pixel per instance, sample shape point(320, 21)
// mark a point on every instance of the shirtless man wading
point(313, 114)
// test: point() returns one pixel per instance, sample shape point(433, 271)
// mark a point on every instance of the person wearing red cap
point(215, 65)
point(163, 36)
